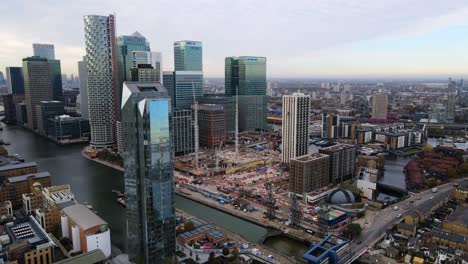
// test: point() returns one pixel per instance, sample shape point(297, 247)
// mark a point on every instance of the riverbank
point(255, 217)
point(103, 162)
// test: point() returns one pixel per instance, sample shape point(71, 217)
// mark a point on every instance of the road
point(387, 218)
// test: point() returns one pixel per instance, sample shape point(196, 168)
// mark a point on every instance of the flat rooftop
point(26, 229)
point(337, 147)
point(18, 166)
point(21, 178)
point(311, 157)
point(83, 217)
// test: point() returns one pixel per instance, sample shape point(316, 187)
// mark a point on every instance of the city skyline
point(326, 39)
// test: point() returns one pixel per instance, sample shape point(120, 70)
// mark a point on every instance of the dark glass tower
point(148, 161)
point(15, 80)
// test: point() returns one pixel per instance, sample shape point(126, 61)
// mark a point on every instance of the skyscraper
point(44, 50)
point(248, 75)
point(37, 86)
point(15, 80)
point(379, 105)
point(309, 172)
point(83, 74)
point(56, 75)
point(295, 126)
point(148, 161)
point(330, 125)
point(145, 73)
point(126, 45)
point(147, 57)
point(342, 162)
point(451, 98)
point(188, 55)
point(212, 123)
point(187, 85)
point(103, 96)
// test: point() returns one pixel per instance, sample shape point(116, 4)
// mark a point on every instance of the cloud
point(291, 34)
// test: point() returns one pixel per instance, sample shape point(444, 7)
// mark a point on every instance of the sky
point(300, 38)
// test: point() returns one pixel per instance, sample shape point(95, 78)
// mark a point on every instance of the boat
point(122, 202)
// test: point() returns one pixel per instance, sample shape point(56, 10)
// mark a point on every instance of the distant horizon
point(323, 39)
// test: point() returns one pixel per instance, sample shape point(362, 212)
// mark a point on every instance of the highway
point(387, 218)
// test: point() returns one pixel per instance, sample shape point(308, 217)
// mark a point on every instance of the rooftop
point(26, 229)
point(21, 178)
point(18, 166)
point(91, 257)
point(460, 216)
point(337, 147)
point(83, 217)
point(311, 157)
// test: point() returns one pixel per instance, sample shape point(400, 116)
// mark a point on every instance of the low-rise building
point(17, 170)
point(85, 229)
point(65, 129)
point(367, 182)
point(449, 239)
point(460, 192)
point(457, 222)
point(14, 187)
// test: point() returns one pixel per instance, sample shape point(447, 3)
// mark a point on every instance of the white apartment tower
point(295, 128)
point(101, 78)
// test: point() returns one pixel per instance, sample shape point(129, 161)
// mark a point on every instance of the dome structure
point(341, 196)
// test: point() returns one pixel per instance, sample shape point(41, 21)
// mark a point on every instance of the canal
point(93, 183)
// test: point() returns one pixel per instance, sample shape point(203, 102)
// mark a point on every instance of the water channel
point(93, 183)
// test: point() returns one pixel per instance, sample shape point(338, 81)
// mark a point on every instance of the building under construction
point(212, 125)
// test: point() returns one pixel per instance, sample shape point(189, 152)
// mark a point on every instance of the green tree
point(188, 226)
point(431, 182)
point(3, 151)
point(452, 173)
point(225, 251)
point(353, 230)
point(235, 252)
point(464, 167)
point(427, 148)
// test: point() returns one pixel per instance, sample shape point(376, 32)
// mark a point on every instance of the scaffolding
point(295, 211)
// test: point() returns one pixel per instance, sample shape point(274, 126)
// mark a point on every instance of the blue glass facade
point(148, 162)
point(188, 56)
point(56, 75)
point(15, 80)
point(125, 47)
point(187, 84)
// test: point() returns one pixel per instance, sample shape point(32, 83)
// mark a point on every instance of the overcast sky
point(300, 38)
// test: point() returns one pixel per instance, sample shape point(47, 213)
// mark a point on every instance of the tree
point(235, 252)
point(3, 151)
point(225, 251)
point(431, 182)
point(188, 226)
point(427, 148)
point(353, 230)
point(464, 167)
point(452, 173)
point(211, 257)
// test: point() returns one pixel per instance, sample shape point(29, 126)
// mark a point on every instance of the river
point(93, 183)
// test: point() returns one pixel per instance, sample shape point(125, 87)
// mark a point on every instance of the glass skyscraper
point(56, 75)
point(15, 80)
point(188, 55)
point(148, 162)
point(83, 74)
point(125, 47)
point(248, 75)
point(103, 96)
point(44, 51)
point(147, 57)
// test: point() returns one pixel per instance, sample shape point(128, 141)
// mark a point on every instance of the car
point(359, 242)
point(411, 202)
point(398, 216)
point(432, 197)
point(419, 198)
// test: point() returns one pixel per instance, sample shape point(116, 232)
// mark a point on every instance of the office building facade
point(15, 81)
point(330, 125)
point(56, 75)
point(188, 56)
point(451, 99)
point(9, 108)
point(246, 76)
point(37, 86)
point(83, 75)
point(46, 51)
point(46, 110)
point(148, 162)
point(183, 133)
point(379, 105)
point(229, 105)
point(308, 173)
point(342, 162)
point(212, 125)
point(295, 126)
point(187, 84)
point(102, 79)
point(147, 57)
point(145, 73)
point(65, 129)
point(126, 45)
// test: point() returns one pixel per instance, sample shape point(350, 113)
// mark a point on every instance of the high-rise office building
point(183, 131)
point(37, 86)
point(145, 73)
point(103, 95)
point(451, 98)
point(2, 78)
point(15, 80)
point(147, 57)
point(330, 125)
point(83, 74)
point(148, 161)
point(342, 162)
point(187, 84)
point(168, 81)
point(379, 105)
point(295, 126)
point(308, 173)
point(246, 76)
point(44, 50)
point(9, 108)
point(212, 124)
point(229, 105)
point(126, 45)
point(188, 56)
point(56, 75)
